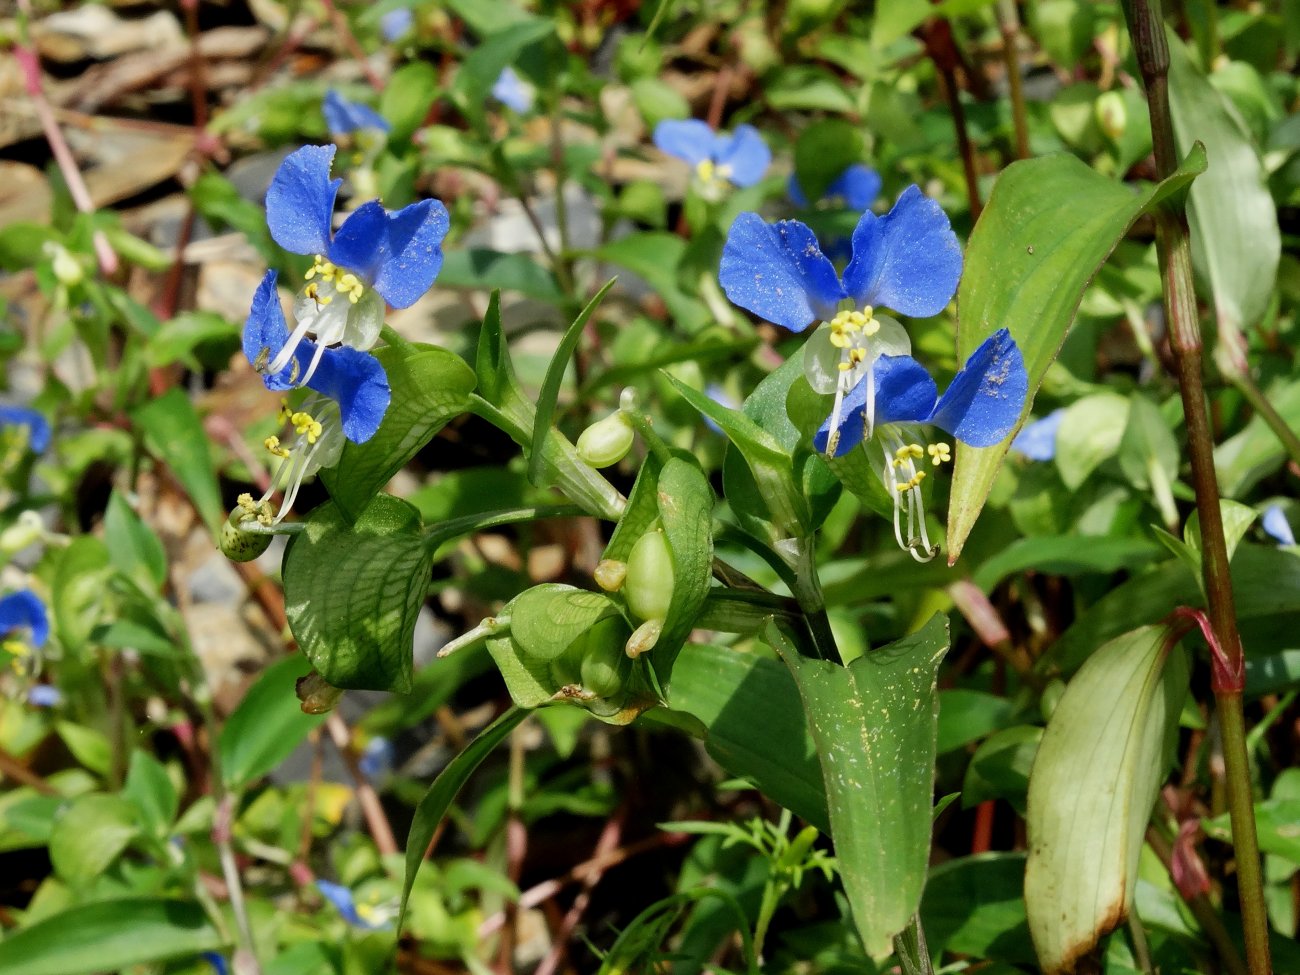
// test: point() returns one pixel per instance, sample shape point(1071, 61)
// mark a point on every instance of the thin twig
point(381, 831)
point(350, 42)
point(607, 843)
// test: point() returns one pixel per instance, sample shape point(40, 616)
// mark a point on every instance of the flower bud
point(1112, 114)
point(67, 269)
point(238, 543)
point(605, 667)
point(648, 587)
point(610, 574)
point(606, 441)
point(316, 695)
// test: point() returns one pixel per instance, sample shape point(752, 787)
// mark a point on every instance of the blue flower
point(375, 257)
point(376, 758)
point(38, 428)
point(365, 916)
point(740, 158)
point(512, 91)
point(44, 696)
point(980, 408)
point(1037, 440)
point(857, 188)
point(1276, 526)
point(217, 961)
point(24, 628)
point(395, 23)
point(344, 117)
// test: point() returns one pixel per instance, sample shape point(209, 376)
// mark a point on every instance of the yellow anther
point(305, 423)
point(940, 453)
point(272, 444)
point(285, 411)
point(914, 481)
point(909, 450)
point(706, 170)
point(343, 282)
point(246, 502)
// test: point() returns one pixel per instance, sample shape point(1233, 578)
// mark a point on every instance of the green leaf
point(685, 502)
point(1255, 452)
point(547, 618)
point(352, 593)
point(1066, 555)
point(473, 83)
point(550, 390)
point(137, 551)
point(433, 807)
point(483, 269)
point(407, 98)
point(1049, 225)
point(90, 834)
point(657, 257)
point(1000, 767)
point(174, 434)
point(824, 150)
point(975, 906)
point(80, 590)
point(1236, 243)
point(1089, 434)
point(185, 333)
point(430, 386)
point(1275, 824)
point(88, 746)
point(1237, 519)
point(267, 725)
point(109, 936)
point(1088, 807)
point(150, 789)
point(726, 689)
point(967, 715)
point(1148, 452)
point(875, 723)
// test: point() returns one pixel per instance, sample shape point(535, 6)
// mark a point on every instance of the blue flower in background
point(377, 757)
point(512, 91)
point(855, 189)
point(24, 628)
point(1276, 526)
point(217, 961)
point(37, 427)
point(908, 261)
point(44, 696)
point(375, 257)
point(980, 408)
point(395, 23)
point(739, 158)
point(366, 916)
point(344, 117)
point(1037, 440)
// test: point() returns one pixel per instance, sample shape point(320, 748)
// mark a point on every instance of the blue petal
point(357, 382)
point(300, 201)
point(38, 428)
point(985, 399)
point(360, 243)
point(688, 139)
point(795, 192)
point(1037, 440)
point(858, 186)
point(1276, 525)
point(747, 155)
point(412, 256)
point(343, 116)
point(853, 423)
point(905, 392)
point(341, 898)
point(511, 91)
point(778, 271)
point(44, 696)
point(24, 610)
point(908, 260)
point(265, 333)
point(395, 23)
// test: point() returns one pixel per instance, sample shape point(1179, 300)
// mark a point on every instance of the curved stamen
point(315, 361)
point(286, 353)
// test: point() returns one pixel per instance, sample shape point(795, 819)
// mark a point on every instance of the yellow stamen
point(905, 453)
point(305, 423)
point(272, 444)
point(940, 453)
point(285, 411)
point(343, 282)
point(914, 481)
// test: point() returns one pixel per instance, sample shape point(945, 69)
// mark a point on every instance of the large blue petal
point(357, 382)
point(746, 154)
point(688, 139)
point(858, 186)
point(778, 271)
point(265, 333)
point(360, 243)
point(905, 392)
point(343, 116)
point(908, 260)
point(38, 428)
point(412, 257)
point(986, 397)
point(853, 423)
point(300, 201)
point(24, 610)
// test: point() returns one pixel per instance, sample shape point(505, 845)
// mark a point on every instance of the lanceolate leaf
point(1049, 225)
point(352, 592)
point(430, 386)
point(266, 726)
point(1089, 806)
point(874, 723)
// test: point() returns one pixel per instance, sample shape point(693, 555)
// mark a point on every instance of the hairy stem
point(1174, 249)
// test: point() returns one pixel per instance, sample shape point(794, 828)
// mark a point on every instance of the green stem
point(807, 591)
point(1174, 250)
point(772, 891)
point(1276, 422)
point(1009, 27)
point(912, 951)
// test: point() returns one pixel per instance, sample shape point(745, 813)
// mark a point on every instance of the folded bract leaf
point(1095, 778)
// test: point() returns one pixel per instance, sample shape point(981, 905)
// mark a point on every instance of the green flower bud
point(67, 269)
point(1112, 114)
point(237, 543)
point(606, 441)
point(648, 587)
point(605, 667)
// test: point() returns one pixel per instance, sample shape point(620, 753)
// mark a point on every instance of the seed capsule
point(648, 587)
point(237, 543)
point(607, 441)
